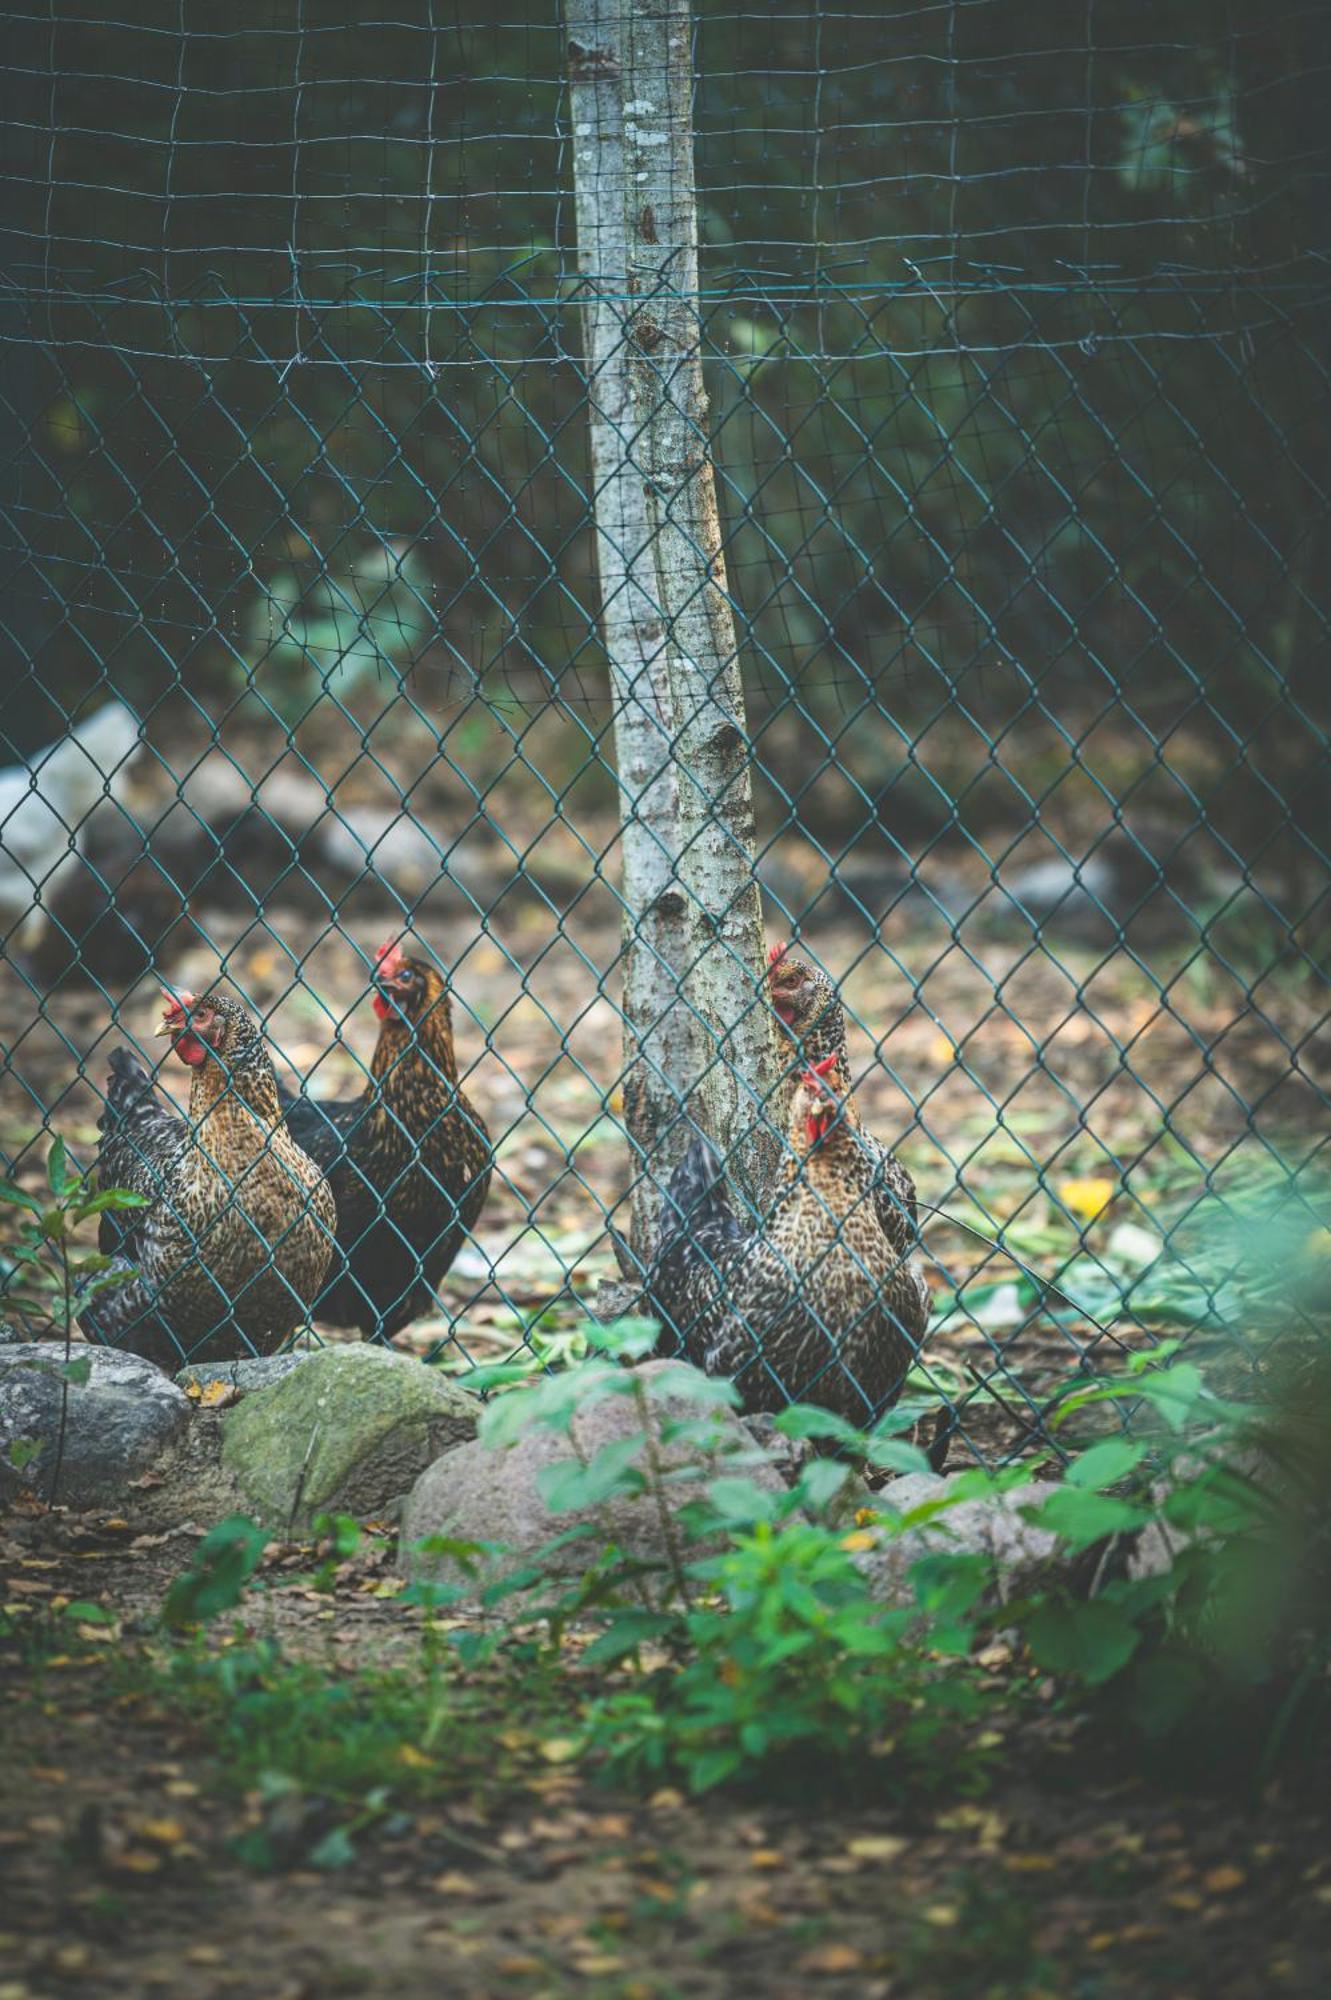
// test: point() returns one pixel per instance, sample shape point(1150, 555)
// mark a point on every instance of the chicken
point(823, 1304)
point(239, 1227)
point(808, 1006)
point(43, 808)
point(408, 1159)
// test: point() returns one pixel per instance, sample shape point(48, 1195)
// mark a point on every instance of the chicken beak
point(165, 1027)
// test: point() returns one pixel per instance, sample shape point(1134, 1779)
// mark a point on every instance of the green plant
point(50, 1280)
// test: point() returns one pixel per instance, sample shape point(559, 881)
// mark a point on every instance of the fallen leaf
point(1220, 1881)
point(877, 1846)
point(831, 1958)
point(1087, 1198)
point(560, 1749)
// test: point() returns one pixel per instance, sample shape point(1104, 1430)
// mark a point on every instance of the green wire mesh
point(1015, 323)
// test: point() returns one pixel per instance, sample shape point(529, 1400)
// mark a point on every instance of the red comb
point(176, 1003)
point(387, 955)
point(776, 952)
point(823, 1067)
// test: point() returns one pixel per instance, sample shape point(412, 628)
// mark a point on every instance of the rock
point(788, 1455)
point(991, 1526)
point(481, 1493)
point(390, 845)
point(117, 1424)
point(347, 1431)
point(256, 1371)
point(118, 913)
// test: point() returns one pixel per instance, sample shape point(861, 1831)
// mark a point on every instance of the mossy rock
point(348, 1432)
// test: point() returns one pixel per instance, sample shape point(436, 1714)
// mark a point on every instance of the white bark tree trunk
point(664, 1050)
point(724, 958)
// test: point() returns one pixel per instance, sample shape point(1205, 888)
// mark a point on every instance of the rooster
point(823, 1304)
point(237, 1232)
point(408, 1159)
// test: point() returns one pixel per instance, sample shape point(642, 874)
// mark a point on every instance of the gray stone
point(990, 1526)
point(391, 845)
point(484, 1494)
point(117, 1423)
point(255, 1371)
point(347, 1432)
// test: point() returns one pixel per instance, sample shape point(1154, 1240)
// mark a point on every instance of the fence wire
point(1014, 322)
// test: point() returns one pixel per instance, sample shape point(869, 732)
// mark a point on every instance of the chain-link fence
point(1013, 324)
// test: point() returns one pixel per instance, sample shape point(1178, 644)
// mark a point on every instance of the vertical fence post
point(663, 1052)
point(723, 912)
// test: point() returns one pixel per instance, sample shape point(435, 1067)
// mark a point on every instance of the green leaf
point(333, 1851)
point(805, 1420)
point(1081, 1518)
point(222, 1565)
point(820, 1483)
point(572, 1485)
point(1095, 1641)
point(78, 1370)
point(19, 1197)
point(895, 1456)
point(1104, 1464)
point(22, 1451)
point(740, 1502)
point(110, 1198)
point(628, 1339)
point(57, 1169)
point(629, 1631)
point(85, 1613)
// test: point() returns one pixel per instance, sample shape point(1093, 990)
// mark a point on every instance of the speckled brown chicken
point(238, 1231)
point(821, 1305)
point(808, 1008)
point(408, 1159)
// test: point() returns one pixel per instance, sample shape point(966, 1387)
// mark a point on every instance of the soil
point(1071, 1875)
point(1005, 1072)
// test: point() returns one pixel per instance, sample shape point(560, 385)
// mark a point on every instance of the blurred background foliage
point(1016, 318)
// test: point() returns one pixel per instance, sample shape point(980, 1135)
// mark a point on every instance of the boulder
point(490, 1494)
point(347, 1432)
point(255, 1371)
point(117, 1424)
point(990, 1526)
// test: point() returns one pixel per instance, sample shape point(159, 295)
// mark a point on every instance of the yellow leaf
point(942, 1049)
point(877, 1846)
point(560, 1749)
point(139, 1861)
point(414, 1759)
point(861, 1539)
point(942, 1914)
point(1220, 1881)
point(161, 1832)
point(1087, 1198)
point(831, 1958)
point(217, 1395)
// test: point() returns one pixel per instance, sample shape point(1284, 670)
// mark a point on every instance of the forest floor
point(1103, 1111)
point(145, 1850)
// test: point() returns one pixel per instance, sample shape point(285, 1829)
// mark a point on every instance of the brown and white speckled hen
point(823, 1304)
point(808, 1008)
point(236, 1238)
point(408, 1158)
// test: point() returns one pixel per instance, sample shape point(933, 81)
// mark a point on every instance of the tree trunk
point(724, 961)
point(664, 1049)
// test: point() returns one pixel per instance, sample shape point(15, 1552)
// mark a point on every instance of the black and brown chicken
point(808, 1008)
point(824, 1303)
point(237, 1233)
point(408, 1158)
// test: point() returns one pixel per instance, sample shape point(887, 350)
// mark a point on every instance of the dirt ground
point(519, 1877)
point(1042, 1086)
